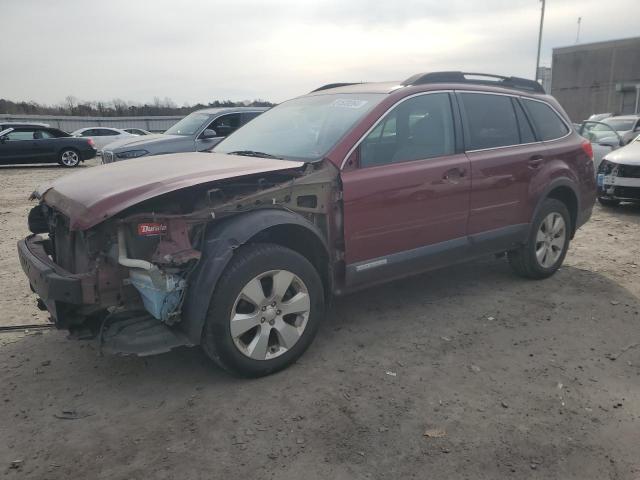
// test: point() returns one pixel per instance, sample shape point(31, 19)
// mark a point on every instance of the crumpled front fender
point(221, 239)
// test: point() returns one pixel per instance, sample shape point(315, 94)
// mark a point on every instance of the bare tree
point(70, 102)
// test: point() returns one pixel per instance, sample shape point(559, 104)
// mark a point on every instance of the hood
point(142, 141)
point(629, 155)
point(97, 193)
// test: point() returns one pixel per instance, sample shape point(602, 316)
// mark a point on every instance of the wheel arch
point(271, 225)
point(564, 190)
point(69, 147)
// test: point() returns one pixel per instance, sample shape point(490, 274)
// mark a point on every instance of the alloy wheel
point(270, 314)
point(69, 158)
point(550, 239)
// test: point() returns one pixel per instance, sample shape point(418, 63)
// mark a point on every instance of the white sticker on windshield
point(348, 103)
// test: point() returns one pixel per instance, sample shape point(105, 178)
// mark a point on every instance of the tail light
point(91, 142)
point(588, 149)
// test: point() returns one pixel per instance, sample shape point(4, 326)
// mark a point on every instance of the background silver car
point(102, 136)
point(198, 131)
point(627, 126)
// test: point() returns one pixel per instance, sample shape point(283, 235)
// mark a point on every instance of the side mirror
point(209, 133)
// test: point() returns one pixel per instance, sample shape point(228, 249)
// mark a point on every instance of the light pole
point(539, 40)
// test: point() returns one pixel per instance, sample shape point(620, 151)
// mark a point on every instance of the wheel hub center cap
point(270, 313)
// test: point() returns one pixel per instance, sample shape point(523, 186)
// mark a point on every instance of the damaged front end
point(126, 279)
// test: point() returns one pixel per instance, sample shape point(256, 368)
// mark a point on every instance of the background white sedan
point(102, 136)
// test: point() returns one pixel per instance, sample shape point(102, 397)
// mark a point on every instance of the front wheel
point(608, 202)
point(547, 244)
point(69, 158)
point(265, 311)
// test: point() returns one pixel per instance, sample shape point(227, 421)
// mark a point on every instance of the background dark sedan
point(34, 143)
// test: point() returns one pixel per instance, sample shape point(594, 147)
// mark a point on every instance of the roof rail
point(485, 79)
point(334, 85)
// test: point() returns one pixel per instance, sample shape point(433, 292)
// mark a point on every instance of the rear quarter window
point(547, 122)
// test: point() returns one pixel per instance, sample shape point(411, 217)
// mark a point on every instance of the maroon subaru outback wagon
point(241, 249)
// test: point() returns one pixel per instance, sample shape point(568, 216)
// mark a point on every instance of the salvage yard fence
point(71, 123)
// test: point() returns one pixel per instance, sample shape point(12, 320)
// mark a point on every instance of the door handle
point(453, 175)
point(536, 161)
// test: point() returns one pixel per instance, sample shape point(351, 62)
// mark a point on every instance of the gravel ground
point(466, 372)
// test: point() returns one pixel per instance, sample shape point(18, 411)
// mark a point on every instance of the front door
point(224, 126)
point(406, 204)
point(19, 146)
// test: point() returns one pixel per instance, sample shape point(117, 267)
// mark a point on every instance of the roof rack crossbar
point(334, 85)
point(485, 79)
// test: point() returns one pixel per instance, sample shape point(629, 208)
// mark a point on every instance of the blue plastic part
point(160, 298)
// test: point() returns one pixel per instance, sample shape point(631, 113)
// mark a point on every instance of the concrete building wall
point(544, 77)
point(597, 77)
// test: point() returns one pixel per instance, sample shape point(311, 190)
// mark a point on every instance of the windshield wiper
point(251, 153)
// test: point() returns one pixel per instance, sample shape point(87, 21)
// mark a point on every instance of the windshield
point(619, 125)
point(189, 125)
point(304, 128)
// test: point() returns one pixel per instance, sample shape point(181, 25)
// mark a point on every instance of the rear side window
point(526, 132)
point(105, 132)
point(42, 134)
point(491, 121)
point(546, 120)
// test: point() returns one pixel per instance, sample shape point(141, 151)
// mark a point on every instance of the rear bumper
point(53, 284)
point(88, 154)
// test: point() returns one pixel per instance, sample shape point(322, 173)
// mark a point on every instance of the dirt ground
point(506, 377)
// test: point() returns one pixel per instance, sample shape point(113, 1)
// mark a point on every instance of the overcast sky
point(201, 50)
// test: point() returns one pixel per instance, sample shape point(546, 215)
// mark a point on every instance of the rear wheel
point(608, 202)
point(265, 311)
point(547, 244)
point(69, 158)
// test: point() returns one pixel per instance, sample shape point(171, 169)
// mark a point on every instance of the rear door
point(406, 203)
point(104, 136)
point(503, 154)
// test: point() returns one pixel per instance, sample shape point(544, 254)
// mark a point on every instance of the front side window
point(419, 128)
point(491, 121)
point(189, 125)
point(248, 116)
point(22, 134)
point(304, 128)
point(546, 120)
point(226, 124)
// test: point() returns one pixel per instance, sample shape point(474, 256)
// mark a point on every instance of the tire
point(608, 202)
point(263, 339)
point(530, 261)
point(69, 158)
